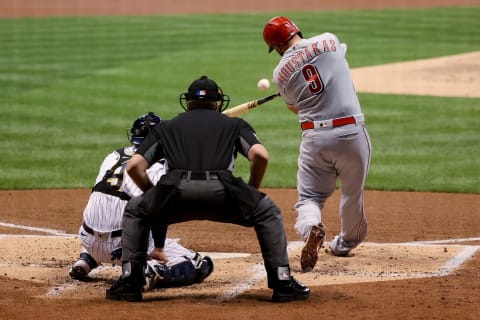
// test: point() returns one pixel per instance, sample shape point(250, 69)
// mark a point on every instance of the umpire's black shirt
point(199, 140)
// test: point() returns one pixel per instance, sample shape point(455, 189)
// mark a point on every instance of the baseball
point(263, 84)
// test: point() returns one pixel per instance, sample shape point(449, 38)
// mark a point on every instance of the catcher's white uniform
point(100, 232)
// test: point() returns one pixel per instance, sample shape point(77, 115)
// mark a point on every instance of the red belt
point(338, 122)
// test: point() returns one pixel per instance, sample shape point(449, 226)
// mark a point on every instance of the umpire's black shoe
point(123, 290)
point(130, 285)
point(290, 290)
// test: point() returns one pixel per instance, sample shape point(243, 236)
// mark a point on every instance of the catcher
point(100, 232)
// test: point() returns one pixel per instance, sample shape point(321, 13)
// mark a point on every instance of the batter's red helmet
point(278, 31)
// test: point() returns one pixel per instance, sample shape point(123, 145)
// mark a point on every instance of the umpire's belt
point(333, 123)
point(114, 234)
point(199, 175)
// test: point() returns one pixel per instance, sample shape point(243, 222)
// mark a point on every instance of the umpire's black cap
point(204, 89)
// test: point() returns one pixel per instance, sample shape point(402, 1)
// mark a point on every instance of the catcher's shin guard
point(185, 273)
point(204, 269)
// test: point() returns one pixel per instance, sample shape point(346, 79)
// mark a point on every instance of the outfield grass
point(71, 86)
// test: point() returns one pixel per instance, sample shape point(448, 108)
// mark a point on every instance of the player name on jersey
point(296, 61)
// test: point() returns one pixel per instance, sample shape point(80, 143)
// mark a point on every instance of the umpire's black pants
point(203, 200)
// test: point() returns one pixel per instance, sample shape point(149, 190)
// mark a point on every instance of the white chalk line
point(45, 230)
point(61, 289)
point(446, 269)
point(62, 236)
point(258, 270)
point(258, 275)
point(426, 242)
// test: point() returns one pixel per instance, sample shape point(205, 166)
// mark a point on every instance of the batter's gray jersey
point(314, 76)
point(307, 69)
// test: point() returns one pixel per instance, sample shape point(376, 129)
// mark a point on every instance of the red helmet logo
point(278, 31)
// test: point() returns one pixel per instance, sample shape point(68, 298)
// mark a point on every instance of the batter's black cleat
point(315, 240)
point(290, 291)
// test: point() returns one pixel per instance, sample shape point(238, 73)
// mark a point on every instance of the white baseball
point(263, 84)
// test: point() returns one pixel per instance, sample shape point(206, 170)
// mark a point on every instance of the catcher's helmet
point(141, 127)
point(278, 31)
point(205, 89)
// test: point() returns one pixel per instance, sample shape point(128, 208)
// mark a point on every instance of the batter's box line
point(258, 276)
point(381, 274)
point(259, 272)
point(64, 236)
point(436, 242)
point(467, 252)
point(44, 230)
point(452, 264)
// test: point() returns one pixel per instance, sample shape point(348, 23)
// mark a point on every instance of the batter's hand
point(159, 254)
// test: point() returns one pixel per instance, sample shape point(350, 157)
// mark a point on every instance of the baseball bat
point(247, 106)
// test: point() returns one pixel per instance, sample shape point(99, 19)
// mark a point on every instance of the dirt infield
point(420, 261)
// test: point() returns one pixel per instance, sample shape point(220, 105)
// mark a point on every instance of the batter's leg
point(353, 170)
point(316, 182)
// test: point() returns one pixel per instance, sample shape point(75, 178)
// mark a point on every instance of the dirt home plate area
point(420, 261)
point(42, 258)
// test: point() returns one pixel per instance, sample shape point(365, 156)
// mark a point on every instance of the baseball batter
point(100, 232)
point(313, 77)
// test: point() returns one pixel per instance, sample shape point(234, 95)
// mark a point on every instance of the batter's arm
point(137, 170)
point(292, 108)
point(258, 157)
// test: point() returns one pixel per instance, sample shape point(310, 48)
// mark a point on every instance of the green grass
point(71, 86)
point(423, 143)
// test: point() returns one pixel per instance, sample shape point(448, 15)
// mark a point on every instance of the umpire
point(200, 147)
